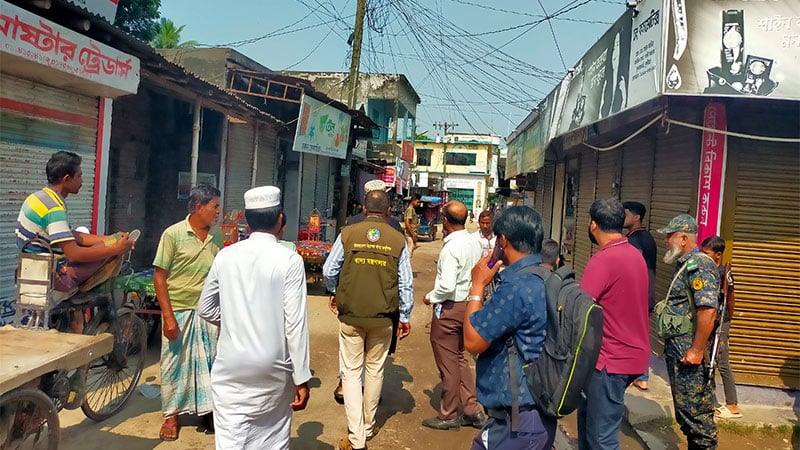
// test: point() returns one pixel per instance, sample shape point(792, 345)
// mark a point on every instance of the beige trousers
point(353, 361)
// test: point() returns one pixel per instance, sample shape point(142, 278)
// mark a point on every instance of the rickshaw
point(429, 218)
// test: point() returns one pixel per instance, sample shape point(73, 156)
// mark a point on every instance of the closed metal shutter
point(267, 138)
point(240, 165)
point(587, 179)
point(675, 174)
point(35, 122)
point(315, 185)
point(607, 174)
point(766, 262)
point(637, 172)
point(547, 177)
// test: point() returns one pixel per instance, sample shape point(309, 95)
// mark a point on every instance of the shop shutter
point(267, 141)
point(637, 172)
point(35, 122)
point(240, 166)
point(547, 178)
point(607, 174)
point(675, 175)
point(587, 179)
point(766, 263)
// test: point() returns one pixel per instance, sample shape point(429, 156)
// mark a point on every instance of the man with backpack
point(517, 309)
point(616, 277)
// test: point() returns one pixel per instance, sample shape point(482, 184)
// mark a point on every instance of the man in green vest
point(369, 271)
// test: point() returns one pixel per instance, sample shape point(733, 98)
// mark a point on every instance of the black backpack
point(574, 334)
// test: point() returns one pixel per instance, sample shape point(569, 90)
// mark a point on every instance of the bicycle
point(100, 386)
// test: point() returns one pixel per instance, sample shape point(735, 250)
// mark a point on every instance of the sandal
point(640, 385)
point(169, 429)
point(724, 413)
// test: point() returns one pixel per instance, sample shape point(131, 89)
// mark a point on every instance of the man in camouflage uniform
point(686, 354)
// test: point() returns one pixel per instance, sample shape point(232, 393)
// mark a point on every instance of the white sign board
point(28, 36)
point(321, 129)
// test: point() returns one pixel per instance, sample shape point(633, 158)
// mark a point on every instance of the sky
point(480, 64)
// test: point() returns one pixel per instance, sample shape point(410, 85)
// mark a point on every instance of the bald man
point(459, 255)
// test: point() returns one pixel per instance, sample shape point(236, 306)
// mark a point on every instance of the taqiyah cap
point(682, 222)
point(262, 197)
point(375, 185)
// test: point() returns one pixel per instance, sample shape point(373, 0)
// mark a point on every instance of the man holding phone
point(460, 253)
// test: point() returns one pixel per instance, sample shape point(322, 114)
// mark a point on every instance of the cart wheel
point(28, 419)
point(111, 379)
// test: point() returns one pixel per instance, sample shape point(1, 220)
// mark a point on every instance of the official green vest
point(368, 293)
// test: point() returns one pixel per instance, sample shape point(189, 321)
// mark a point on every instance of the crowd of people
point(236, 335)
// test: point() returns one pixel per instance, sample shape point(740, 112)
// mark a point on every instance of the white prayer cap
point(375, 185)
point(262, 197)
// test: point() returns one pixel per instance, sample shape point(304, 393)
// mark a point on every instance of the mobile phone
point(497, 255)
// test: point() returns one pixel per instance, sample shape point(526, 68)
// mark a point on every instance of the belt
point(504, 413)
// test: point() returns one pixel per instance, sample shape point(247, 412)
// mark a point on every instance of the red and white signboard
point(407, 151)
point(30, 37)
point(712, 172)
point(389, 175)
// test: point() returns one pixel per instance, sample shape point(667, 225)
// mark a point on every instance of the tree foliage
point(138, 17)
point(169, 36)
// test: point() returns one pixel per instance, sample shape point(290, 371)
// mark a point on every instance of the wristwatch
point(474, 298)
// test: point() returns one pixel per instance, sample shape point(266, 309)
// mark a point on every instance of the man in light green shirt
point(183, 260)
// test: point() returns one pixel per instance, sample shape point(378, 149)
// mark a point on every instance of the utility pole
point(344, 182)
point(445, 126)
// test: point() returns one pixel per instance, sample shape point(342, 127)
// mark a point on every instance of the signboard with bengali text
point(321, 129)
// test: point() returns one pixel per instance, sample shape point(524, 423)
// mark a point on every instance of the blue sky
point(481, 64)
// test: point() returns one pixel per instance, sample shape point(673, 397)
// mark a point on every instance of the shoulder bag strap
point(512, 375)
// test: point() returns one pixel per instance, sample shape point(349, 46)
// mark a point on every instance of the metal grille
point(240, 165)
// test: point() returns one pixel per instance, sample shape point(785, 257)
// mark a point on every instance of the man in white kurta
point(256, 290)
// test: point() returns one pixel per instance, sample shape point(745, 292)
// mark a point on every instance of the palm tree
point(169, 36)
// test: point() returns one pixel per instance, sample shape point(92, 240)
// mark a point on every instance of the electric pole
point(344, 182)
point(445, 126)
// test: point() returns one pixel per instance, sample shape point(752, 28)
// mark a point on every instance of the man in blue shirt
point(517, 308)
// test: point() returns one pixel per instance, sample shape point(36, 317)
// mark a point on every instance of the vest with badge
point(695, 281)
point(368, 292)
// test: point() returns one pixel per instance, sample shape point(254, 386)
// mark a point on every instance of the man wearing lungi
point(183, 259)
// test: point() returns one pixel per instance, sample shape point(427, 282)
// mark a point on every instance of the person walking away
point(693, 295)
point(412, 222)
point(616, 277)
point(369, 271)
point(256, 293)
point(183, 258)
point(517, 308)
point(714, 246)
point(449, 295)
point(485, 235)
point(83, 260)
point(639, 237)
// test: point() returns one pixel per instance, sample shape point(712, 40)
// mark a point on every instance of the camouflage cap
point(682, 222)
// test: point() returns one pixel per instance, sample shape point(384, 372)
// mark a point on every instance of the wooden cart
point(28, 416)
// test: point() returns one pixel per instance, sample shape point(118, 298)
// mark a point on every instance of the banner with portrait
point(733, 48)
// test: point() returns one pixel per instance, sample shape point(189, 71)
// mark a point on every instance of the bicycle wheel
point(28, 420)
point(111, 379)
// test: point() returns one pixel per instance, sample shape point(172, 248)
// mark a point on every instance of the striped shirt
point(187, 261)
point(43, 215)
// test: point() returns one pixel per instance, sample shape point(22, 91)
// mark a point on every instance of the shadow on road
point(307, 437)
point(396, 399)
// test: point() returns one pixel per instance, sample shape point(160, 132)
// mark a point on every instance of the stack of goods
point(313, 251)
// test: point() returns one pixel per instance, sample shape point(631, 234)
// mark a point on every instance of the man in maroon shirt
point(616, 276)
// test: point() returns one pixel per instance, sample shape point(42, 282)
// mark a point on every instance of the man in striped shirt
point(83, 260)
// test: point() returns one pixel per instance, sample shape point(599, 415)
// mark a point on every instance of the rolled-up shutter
point(240, 165)
point(675, 172)
point(35, 122)
point(766, 262)
point(587, 179)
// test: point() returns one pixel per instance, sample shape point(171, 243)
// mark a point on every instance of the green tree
point(138, 17)
point(169, 36)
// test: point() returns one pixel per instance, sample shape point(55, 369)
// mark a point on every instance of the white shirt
point(487, 245)
point(459, 255)
point(257, 289)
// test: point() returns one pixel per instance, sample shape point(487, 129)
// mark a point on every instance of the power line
point(553, 32)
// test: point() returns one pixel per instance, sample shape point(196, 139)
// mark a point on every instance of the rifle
point(721, 317)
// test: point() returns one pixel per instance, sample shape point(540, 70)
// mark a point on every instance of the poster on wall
point(733, 48)
point(321, 129)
